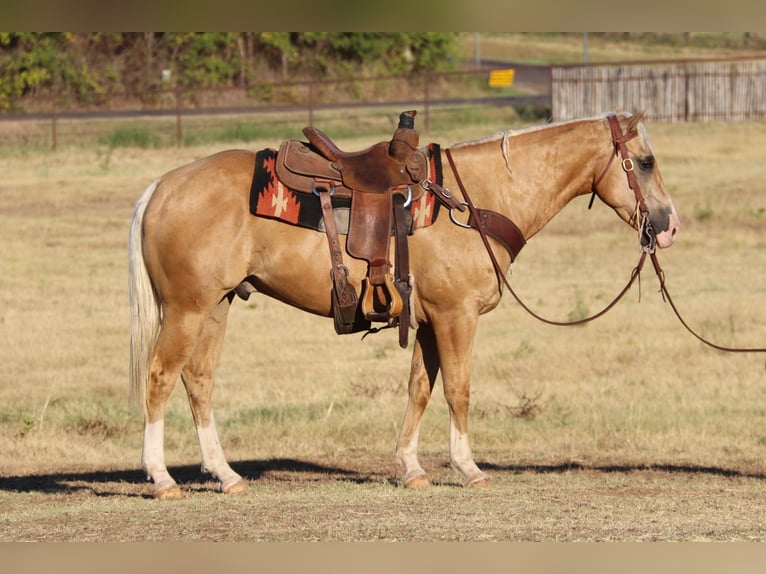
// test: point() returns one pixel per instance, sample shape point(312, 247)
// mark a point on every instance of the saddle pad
point(269, 198)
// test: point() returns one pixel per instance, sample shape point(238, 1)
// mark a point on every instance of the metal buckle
point(627, 164)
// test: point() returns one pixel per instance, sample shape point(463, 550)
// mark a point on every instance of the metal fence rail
point(681, 91)
point(173, 112)
point(732, 90)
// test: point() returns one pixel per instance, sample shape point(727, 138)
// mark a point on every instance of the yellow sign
point(501, 78)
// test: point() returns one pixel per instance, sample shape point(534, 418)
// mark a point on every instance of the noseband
point(647, 235)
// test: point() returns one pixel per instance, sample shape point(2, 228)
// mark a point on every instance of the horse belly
point(293, 265)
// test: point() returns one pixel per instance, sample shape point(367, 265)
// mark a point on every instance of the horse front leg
point(423, 371)
point(197, 376)
point(455, 343)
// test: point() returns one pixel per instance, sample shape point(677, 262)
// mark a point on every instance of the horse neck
point(531, 175)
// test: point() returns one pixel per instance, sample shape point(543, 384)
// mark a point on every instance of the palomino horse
point(193, 241)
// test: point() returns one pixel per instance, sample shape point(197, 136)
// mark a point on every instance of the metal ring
point(316, 191)
point(455, 221)
point(409, 196)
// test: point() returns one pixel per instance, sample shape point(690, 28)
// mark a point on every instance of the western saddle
point(381, 181)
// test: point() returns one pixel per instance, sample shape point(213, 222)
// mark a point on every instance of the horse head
point(633, 185)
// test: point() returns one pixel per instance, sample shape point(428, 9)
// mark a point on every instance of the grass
point(625, 429)
point(128, 136)
point(569, 48)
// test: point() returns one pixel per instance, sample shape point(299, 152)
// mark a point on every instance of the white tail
point(144, 305)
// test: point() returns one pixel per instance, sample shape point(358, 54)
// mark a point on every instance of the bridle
point(647, 236)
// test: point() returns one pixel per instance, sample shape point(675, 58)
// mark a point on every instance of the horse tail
point(144, 305)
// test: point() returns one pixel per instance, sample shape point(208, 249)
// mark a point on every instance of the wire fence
point(182, 116)
point(682, 91)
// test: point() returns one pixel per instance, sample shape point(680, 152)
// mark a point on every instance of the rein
point(503, 279)
point(647, 239)
point(666, 297)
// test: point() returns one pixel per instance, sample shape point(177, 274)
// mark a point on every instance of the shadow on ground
point(188, 476)
point(133, 482)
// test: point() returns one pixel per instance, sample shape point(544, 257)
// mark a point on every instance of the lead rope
point(666, 297)
point(635, 274)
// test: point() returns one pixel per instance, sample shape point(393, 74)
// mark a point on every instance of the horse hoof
point(419, 481)
point(170, 492)
point(239, 487)
point(482, 481)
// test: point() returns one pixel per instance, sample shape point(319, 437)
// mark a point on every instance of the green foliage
point(206, 60)
point(46, 63)
point(85, 67)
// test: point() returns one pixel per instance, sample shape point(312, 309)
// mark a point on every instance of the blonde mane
point(506, 135)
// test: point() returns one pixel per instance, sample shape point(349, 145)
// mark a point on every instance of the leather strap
point(344, 296)
point(402, 263)
point(336, 254)
point(488, 222)
point(620, 140)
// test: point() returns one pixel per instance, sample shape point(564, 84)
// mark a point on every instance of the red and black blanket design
point(269, 198)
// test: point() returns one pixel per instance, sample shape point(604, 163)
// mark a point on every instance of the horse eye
point(646, 162)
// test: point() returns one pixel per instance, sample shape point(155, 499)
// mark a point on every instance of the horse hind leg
point(197, 376)
point(189, 340)
point(175, 344)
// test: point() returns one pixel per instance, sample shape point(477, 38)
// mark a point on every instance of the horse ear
point(634, 119)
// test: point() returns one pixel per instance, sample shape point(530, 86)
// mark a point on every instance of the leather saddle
point(381, 181)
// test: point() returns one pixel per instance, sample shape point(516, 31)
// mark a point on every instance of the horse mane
point(633, 120)
point(505, 135)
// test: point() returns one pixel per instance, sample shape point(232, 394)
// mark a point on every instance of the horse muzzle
point(669, 234)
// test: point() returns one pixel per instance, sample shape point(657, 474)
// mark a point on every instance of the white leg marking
point(408, 459)
point(213, 459)
point(461, 457)
point(153, 456)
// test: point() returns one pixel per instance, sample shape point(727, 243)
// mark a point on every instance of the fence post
point(686, 93)
point(179, 126)
point(54, 134)
point(426, 102)
point(311, 102)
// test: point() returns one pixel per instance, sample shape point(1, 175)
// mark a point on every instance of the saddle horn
point(406, 137)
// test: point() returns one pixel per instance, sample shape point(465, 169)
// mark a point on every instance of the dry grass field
point(627, 429)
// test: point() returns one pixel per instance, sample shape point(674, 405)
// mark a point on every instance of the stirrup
point(390, 297)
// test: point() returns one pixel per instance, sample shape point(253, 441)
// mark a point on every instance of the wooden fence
point(732, 90)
